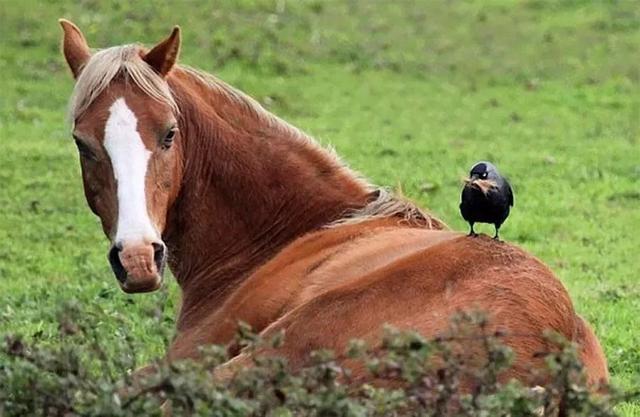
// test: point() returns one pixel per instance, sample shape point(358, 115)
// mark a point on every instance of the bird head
point(483, 175)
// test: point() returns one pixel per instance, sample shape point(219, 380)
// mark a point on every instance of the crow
point(486, 197)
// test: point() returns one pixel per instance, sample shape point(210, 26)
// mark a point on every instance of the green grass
point(411, 93)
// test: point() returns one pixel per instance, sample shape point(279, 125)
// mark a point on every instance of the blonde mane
point(249, 104)
point(107, 64)
point(387, 204)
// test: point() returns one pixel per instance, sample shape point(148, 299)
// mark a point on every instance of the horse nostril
point(116, 264)
point(159, 255)
point(158, 249)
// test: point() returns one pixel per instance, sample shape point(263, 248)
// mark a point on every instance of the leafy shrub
point(412, 376)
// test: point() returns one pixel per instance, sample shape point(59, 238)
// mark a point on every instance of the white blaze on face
point(129, 158)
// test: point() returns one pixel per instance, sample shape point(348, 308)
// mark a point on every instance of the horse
point(260, 224)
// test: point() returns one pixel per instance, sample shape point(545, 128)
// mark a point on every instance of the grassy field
point(410, 93)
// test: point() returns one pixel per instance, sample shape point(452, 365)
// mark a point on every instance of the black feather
point(490, 205)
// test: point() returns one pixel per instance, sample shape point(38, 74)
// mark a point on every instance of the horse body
point(264, 226)
point(338, 284)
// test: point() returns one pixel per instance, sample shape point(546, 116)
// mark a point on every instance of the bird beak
point(471, 180)
point(482, 185)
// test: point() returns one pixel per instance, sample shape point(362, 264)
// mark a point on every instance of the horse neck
point(250, 185)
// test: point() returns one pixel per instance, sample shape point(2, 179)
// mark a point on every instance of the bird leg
point(472, 233)
point(496, 236)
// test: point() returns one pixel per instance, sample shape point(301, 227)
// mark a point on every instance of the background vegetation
point(411, 93)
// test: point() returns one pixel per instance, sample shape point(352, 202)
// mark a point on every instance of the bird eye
point(167, 141)
point(484, 175)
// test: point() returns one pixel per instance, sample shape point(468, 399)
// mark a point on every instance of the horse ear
point(74, 46)
point(164, 55)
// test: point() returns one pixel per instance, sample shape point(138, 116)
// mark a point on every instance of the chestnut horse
point(260, 224)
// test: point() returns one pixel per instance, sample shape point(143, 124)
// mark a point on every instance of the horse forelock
point(107, 64)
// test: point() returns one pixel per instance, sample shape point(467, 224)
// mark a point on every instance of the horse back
point(422, 290)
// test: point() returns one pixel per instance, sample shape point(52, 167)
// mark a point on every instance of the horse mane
point(107, 64)
point(383, 204)
point(126, 60)
point(386, 204)
point(248, 104)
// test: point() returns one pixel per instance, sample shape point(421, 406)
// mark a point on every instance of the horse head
point(125, 127)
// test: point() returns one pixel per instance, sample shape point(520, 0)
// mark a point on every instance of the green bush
point(77, 376)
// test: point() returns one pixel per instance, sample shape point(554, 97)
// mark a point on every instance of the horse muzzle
point(138, 267)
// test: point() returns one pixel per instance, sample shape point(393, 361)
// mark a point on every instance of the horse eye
point(83, 149)
point(168, 139)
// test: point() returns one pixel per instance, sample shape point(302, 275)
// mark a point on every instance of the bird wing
point(465, 203)
point(509, 194)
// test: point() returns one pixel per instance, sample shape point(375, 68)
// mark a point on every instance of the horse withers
point(260, 224)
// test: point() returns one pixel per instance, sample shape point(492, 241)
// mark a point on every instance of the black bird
point(486, 197)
